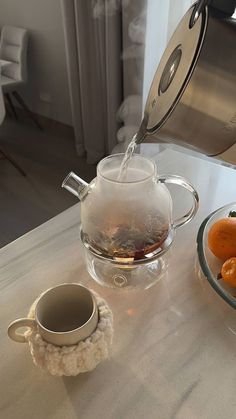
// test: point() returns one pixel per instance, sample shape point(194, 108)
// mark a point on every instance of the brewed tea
point(130, 241)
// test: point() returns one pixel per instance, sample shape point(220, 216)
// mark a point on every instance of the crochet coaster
point(74, 359)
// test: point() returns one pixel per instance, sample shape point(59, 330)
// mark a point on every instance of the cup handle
point(181, 181)
point(12, 329)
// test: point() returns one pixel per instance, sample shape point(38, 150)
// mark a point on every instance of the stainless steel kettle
point(193, 94)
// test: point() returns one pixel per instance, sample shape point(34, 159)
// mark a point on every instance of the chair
point(2, 153)
point(13, 48)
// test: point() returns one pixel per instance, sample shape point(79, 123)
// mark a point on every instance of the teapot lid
point(176, 67)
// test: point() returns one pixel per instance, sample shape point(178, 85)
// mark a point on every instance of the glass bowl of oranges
point(216, 248)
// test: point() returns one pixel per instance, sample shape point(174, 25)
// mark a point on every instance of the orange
point(222, 238)
point(228, 271)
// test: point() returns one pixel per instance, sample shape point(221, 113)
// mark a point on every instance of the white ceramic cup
point(64, 315)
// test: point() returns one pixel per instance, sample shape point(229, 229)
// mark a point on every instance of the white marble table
point(172, 355)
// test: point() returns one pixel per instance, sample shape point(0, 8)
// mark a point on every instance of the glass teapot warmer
point(126, 225)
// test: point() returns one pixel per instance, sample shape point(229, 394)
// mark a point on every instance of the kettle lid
point(176, 67)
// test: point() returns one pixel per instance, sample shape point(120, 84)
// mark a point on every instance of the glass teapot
point(127, 224)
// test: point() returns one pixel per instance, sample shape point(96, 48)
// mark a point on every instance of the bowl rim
point(227, 297)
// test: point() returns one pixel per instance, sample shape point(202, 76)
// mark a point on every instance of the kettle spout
point(75, 185)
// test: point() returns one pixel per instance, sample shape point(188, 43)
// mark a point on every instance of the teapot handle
point(181, 181)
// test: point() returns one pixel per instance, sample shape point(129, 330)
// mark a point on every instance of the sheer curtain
point(104, 47)
point(93, 48)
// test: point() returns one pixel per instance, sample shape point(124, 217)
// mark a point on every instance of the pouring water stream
point(137, 139)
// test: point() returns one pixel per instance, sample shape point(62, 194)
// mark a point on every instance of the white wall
point(47, 91)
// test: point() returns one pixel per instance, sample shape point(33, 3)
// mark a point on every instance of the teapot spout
point(75, 185)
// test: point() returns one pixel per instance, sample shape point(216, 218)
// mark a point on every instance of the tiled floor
point(26, 202)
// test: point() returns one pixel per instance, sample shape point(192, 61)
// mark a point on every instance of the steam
point(130, 111)
point(108, 7)
point(137, 29)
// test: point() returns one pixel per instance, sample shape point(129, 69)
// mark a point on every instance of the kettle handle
point(227, 8)
point(197, 10)
point(181, 181)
